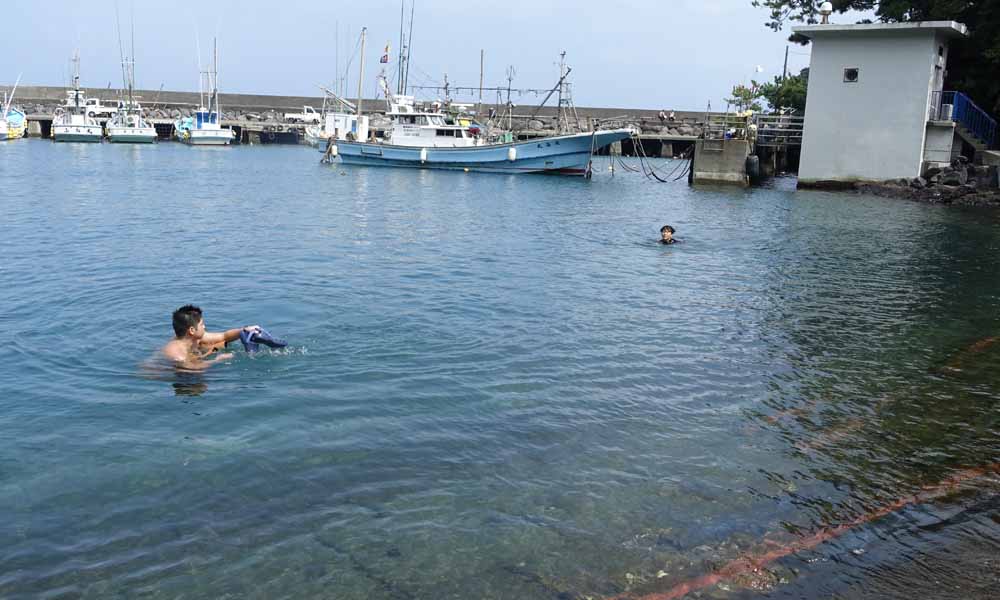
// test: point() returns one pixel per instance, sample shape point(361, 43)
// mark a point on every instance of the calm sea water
point(497, 387)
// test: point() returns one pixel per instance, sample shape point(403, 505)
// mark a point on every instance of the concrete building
point(873, 111)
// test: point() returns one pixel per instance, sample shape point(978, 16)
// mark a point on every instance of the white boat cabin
point(413, 128)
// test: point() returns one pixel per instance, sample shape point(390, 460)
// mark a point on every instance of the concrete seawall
point(259, 118)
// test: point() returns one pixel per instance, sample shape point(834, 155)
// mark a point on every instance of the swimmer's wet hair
point(667, 228)
point(184, 317)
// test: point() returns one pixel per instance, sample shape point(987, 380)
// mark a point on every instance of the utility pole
point(784, 71)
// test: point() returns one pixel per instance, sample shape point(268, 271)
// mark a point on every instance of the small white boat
point(128, 125)
point(337, 125)
point(205, 127)
point(71, 123)
point(13, 121)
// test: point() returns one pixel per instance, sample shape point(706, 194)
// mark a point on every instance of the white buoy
point(512, 154)
point(423, 155)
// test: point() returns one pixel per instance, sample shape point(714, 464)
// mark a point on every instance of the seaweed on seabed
point(551, 588)
point(392, 589)
point(958, 360)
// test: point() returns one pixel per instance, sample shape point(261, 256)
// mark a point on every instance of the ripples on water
point(497, 386)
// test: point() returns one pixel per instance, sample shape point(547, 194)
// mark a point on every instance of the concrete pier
point(721, 161)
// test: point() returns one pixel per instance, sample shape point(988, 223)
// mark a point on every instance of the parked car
point(308, 115)
point(97, 110)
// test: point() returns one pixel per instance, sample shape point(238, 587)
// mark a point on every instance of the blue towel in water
point(252, 340)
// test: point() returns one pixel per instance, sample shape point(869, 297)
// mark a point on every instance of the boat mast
point(402, 48)
point(8, 100)
point(562, 120)
point(361, 76)
point(131, 67)
point(409, 48)
point(215, 76)
point(76, 78)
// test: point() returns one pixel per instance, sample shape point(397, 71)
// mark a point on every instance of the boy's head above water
point(188, 322)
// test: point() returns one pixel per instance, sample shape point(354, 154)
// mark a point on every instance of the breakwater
point(260, 118)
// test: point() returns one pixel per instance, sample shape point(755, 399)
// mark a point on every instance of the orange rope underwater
point(750, 564)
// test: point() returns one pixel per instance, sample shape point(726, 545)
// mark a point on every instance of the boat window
point(435, 120)
point(421, 120)
point(408, 120)
point(445, 133)
point(459, 133)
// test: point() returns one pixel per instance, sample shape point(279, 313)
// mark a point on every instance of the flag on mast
point(385, 56)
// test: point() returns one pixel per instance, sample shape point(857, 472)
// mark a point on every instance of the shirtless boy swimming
point(192, 345)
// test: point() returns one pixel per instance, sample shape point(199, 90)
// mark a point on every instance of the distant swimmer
point(667, 235)
point(192, 346)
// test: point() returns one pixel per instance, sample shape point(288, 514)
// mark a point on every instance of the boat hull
point(77, 133)
point(132, 135)
point(221, 137)
point(567, 154)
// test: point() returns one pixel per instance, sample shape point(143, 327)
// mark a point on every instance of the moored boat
point(205, 127)
point(128, 125)
point(425, 140)
point(336, 125)
point(71, 122)
point(13, 121)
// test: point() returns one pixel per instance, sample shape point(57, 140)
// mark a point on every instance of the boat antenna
point(409, 48)
point(558, 87)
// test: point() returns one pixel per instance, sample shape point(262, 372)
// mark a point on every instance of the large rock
point(955, 178)
point(535, 125)
point(929, 173)
point(992, 179)
point(918, 183)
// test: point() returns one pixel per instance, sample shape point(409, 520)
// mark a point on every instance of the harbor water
point(496, 386)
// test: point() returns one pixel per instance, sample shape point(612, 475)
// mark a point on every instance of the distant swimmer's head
point(188, 322)
point(667, 234)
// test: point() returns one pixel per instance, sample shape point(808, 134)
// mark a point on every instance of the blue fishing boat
point(429, 139)
point(565, 154)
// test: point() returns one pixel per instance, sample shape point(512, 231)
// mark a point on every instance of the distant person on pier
point(192, 345)
point(662, 116)
point(667, 235)
point(671, 117)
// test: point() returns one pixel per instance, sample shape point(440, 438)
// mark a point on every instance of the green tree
point(746, 97)
point(787, 92)
point(974, 62)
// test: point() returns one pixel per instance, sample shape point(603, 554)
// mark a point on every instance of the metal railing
point(778, 131)
point(957, 107)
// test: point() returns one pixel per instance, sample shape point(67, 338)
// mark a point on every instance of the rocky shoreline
point(959, 184)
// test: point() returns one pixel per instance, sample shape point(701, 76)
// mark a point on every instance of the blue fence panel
point(970, 116)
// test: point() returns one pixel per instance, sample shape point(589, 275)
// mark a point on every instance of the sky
point(671, 54)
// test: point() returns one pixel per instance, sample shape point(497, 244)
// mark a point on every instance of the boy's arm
point(224, 337)
point(196, 364)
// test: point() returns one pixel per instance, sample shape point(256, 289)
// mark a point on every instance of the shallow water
point(497, 386)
